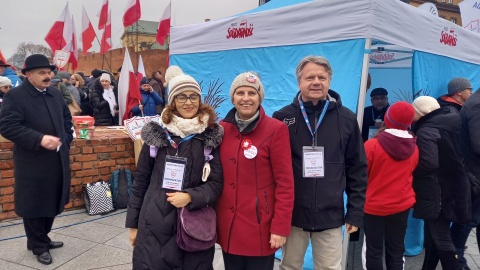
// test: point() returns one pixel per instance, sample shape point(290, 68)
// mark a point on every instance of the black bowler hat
point(35, 61)
point(379, 92)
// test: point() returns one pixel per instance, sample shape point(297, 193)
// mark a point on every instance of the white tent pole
point(363, 82)
point(360, 106)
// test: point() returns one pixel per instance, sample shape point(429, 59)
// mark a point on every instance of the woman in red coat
point(392, 156)
point(255, 209)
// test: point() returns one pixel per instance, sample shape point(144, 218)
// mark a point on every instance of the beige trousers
point(326, 249)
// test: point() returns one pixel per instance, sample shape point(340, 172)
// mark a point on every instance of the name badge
point(372, 130)
point(174, 173)
point(313, 162)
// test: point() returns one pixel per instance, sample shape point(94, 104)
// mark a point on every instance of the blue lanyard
point(304, 113)
point(174, 144)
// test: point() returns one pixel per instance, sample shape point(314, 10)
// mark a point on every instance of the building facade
point(447, 9)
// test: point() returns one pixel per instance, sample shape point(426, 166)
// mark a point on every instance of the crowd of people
point(273, 182)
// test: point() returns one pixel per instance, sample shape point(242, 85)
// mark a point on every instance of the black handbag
point(98, 198)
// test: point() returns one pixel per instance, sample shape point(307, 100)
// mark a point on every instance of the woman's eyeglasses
point(181, 98)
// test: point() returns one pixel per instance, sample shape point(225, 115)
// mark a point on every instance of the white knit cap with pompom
point(425, 104)
point(179, 83)
point(171, 72)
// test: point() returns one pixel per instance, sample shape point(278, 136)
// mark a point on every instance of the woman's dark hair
point(203, 109)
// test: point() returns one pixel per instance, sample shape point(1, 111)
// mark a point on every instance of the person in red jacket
point(392, 156)
point(254, 211)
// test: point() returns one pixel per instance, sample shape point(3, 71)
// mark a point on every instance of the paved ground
point(101, 242)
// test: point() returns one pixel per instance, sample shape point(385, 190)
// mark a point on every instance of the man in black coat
point(319, 125)
point(470, 150)
point(36, 119)
point(440, 181)
point(373, 115)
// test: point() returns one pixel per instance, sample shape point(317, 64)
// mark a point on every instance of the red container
point(83, 118)
point(83, 122)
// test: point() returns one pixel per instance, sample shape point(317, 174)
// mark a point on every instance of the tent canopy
point(272, 42)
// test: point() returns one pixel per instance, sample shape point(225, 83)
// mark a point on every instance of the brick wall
point(152, 60)
point(90, 160)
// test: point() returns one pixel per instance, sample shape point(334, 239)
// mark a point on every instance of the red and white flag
point(88, 33)
point(128, 90)
point(106, 42)
point(60, 35)
point(133, 12)
point(73, 48)
point(140, 70)
point(164, 25)
point(103, 15)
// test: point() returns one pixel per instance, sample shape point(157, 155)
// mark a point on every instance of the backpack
point(121, 186)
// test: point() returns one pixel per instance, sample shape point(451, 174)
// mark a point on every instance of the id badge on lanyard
point(174, 174)
point(313, 158)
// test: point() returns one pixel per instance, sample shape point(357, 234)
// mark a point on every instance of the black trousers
point(237, 262)
point(438, 245)
point(391, 231)
point(37, 230)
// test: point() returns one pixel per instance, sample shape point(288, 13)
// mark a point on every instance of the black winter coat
point(101, 109)
point(470, 133)
point(155, 218)
point(319, 201)
point(42, 177)
point(440, 180)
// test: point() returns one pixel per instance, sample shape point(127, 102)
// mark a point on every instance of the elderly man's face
point(314, 83)
point(39, 77)
point(379, 102)
point(2, 70)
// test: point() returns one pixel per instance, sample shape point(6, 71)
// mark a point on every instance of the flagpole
point(136, 49)
point(103, 55)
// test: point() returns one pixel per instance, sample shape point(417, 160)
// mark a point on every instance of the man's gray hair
point(319, 60)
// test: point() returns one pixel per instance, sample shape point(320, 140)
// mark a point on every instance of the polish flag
point(128, 90)
point(88, 33)
point(73, 48)
point(164, 25)
point(103, 15)
point(61, 32)
point(132, 12)
point(141, 69)
point(106, 43)
point(2, 58)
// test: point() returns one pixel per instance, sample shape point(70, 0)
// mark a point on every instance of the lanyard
point(373, 115)
point(302, 108)
point(174, 144)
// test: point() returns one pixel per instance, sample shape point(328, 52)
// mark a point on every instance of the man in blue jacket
point(150, 99)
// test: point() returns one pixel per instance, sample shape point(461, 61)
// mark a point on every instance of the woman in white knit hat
point(104, 101)
point(178, 170)
point(5, 85)
point(254, 211)
point(440, 181)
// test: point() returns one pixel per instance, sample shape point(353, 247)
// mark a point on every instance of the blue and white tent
point(272, 42)
point(273, 38)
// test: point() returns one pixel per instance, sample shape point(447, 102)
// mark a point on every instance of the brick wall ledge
point(90, 160)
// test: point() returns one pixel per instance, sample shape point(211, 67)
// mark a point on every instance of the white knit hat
point(105, 77)
point(249, 79)
point(171, 72)
point(425, 104)
point(180, 83)
point(4, 81)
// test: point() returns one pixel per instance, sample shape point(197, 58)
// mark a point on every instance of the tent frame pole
point(361, 104)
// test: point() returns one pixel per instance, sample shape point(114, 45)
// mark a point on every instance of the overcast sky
point(30, 20)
